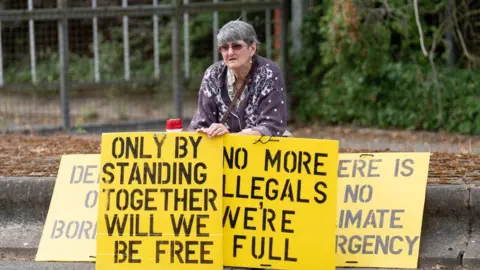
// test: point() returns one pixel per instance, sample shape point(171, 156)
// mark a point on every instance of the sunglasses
point(235, 47)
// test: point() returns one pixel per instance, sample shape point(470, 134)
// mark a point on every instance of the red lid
point(174, 124)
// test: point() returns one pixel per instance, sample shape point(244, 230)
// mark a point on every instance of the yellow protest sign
point(70, 229)
point(160, 201)
point(380, 209)
point(279, 202)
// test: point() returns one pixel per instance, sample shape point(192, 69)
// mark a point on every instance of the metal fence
point(100, 62)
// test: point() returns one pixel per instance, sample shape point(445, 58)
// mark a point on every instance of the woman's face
point(237, 54)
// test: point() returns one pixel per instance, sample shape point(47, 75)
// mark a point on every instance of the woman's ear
point(253, 49)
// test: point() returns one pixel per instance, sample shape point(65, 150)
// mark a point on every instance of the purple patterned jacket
point(263, 107)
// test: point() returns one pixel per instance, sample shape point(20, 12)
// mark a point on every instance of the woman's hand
point(215, 129)
point(249, 131)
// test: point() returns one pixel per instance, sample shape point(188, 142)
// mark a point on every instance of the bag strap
point(238, 93)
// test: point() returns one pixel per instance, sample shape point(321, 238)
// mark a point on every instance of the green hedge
point(374, 81)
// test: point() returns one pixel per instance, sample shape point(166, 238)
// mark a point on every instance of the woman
point(245, 92)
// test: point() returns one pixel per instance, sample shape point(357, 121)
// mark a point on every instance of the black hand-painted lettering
point(287, 161)
point(248, 212)
point(299, 193)
point(118, 146)
point(137, 227)
point(181, 144)
point(287, 249)
point(256, 187)
point(258, 254)
point(106, 170)
point(109, 201)
point(204, 252)
point(177, 249)
point(323, 195)
point(193, 202)
point(195, 143)
point(238, 193)
point(201, 224)
point(160, 251)
point(142, 148)
point(152, 225)
point(271, 193)
point(159, 144)
point(286, 221)
point(114, 225)
point(137, 204)
point(180, 224)
point(135, 175)
point(271, 162)
point(166, 192)
point(180, 200)
point(236, 244)
point(224, 188)
point(268, 216)
point(122, 201)
point(305, 162)
point(232, 217)
point(211, 198)
point(120, 253)
point(287, 191)
point(122, 166)
point(271, 256)
point(318, 164)
point(150, 198)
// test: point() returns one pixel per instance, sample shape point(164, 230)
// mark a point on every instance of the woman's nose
point(230, 51)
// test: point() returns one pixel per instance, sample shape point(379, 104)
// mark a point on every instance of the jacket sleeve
point(207, 111)
point(272, 106)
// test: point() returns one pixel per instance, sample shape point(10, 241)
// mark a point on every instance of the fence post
point(176, 61)
point(96, 54)
point(126, 44)
point(283, 48)
point(31, 33)
point(215, 32)
point(186, 43)
point(156, 46)
point(1, 56)
point(63, 54)
point(268, 32)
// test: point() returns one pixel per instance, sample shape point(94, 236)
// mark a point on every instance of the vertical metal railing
point(96, 45)
point(31, 34)
point(186, 42)
point(244, 14)
point(1, 56)
point(63, 56)
point(268, 32)
point(126, 44)
point(176, 59)
point(215, 31)
point(156, 46)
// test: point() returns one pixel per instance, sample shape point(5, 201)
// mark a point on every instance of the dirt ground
point(31, 155)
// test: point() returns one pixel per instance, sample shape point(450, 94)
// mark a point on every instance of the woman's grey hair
point(237, 30)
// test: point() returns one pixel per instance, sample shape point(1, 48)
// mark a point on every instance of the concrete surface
point(445, 222)
point(451, 223)
point(91, 266)
point(473, 248)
